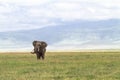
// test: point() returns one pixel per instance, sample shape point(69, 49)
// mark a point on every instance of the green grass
point(61, 66)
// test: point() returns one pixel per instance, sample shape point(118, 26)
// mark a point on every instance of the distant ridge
point(67, 35)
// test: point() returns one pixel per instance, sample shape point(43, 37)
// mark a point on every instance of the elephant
point(39, 49)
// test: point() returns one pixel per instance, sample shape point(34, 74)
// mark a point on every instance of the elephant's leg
point(43, 55)
point(38, 55)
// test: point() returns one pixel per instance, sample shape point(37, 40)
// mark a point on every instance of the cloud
point(19, 14)
point(26, 2)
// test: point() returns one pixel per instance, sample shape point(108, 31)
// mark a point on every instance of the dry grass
point(60, 66)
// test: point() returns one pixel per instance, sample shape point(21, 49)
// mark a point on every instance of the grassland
point(61, 66)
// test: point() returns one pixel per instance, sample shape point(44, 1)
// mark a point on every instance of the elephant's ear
point(44, 44)
point(34, 43)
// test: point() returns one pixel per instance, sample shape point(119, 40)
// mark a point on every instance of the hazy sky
point(22, 15)
point(29, 14)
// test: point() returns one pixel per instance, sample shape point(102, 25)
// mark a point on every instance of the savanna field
point(60, 66)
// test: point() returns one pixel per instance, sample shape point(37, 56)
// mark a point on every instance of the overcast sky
point(30, 14)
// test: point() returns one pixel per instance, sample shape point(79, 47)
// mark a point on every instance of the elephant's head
point(39, 46)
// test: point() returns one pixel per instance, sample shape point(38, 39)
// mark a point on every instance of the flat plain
point(60, 66)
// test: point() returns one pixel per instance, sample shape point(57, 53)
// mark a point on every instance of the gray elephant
point(39, 49)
